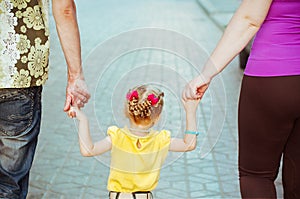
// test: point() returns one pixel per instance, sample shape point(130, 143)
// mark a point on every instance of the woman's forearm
point(243, 26)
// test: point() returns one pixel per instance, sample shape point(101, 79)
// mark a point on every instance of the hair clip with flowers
point(132, 95)
point(153, 99)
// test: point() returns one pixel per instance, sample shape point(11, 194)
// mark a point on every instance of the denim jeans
point(20, 118)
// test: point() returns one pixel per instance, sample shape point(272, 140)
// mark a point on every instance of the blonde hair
point(144, 104)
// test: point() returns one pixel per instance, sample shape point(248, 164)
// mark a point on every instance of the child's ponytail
point(144, 104)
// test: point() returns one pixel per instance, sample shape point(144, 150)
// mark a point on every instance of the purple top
point(276, 47)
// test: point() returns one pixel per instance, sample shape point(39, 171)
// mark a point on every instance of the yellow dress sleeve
point(112, 132)
point(165, 138)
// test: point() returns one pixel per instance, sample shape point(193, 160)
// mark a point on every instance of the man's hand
point(77, 94)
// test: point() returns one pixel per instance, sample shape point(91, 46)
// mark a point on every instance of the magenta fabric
point(276, 47)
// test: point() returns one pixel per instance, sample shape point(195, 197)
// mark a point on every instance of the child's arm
point(87, 147)
point(190, 140)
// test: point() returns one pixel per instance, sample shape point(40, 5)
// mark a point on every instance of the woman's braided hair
point(144, 103)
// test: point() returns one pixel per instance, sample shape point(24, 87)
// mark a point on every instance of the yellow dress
point(132, 168)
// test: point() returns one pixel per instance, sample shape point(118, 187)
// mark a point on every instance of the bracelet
point(192, 132)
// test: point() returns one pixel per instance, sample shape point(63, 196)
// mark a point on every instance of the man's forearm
point(64, 12)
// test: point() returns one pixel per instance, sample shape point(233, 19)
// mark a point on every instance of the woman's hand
point(195, 89)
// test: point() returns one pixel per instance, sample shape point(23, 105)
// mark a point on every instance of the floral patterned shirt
point(24, 43)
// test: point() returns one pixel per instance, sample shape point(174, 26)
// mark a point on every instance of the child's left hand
point(76, 112)
point(72, 112)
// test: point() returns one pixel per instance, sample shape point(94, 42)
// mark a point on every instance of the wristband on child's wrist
point(192, 132)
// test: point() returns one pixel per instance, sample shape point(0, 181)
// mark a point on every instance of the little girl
point(138, 152)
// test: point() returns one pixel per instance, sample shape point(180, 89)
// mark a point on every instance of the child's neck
point(138, 131)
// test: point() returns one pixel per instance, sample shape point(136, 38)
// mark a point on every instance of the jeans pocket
point(16, 111)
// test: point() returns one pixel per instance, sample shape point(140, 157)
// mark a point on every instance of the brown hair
point(144, 104)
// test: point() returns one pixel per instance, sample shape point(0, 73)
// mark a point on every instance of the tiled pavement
point(220, 12)
point(125, 43)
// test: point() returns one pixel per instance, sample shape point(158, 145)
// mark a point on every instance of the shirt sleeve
point(112, 132)
point(165, 138)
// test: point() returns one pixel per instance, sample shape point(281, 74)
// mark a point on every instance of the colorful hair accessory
point(153, 99)
point(131, 95)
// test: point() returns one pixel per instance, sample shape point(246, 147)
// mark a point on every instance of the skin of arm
point(244, 24)
point(189, 142)
point(64, 12)
point(87, 147)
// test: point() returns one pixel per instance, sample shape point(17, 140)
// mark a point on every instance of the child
point(137, 153)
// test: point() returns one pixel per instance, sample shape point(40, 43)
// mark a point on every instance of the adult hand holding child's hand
point(77, 94)
point(195, 89)
point(76, 112)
